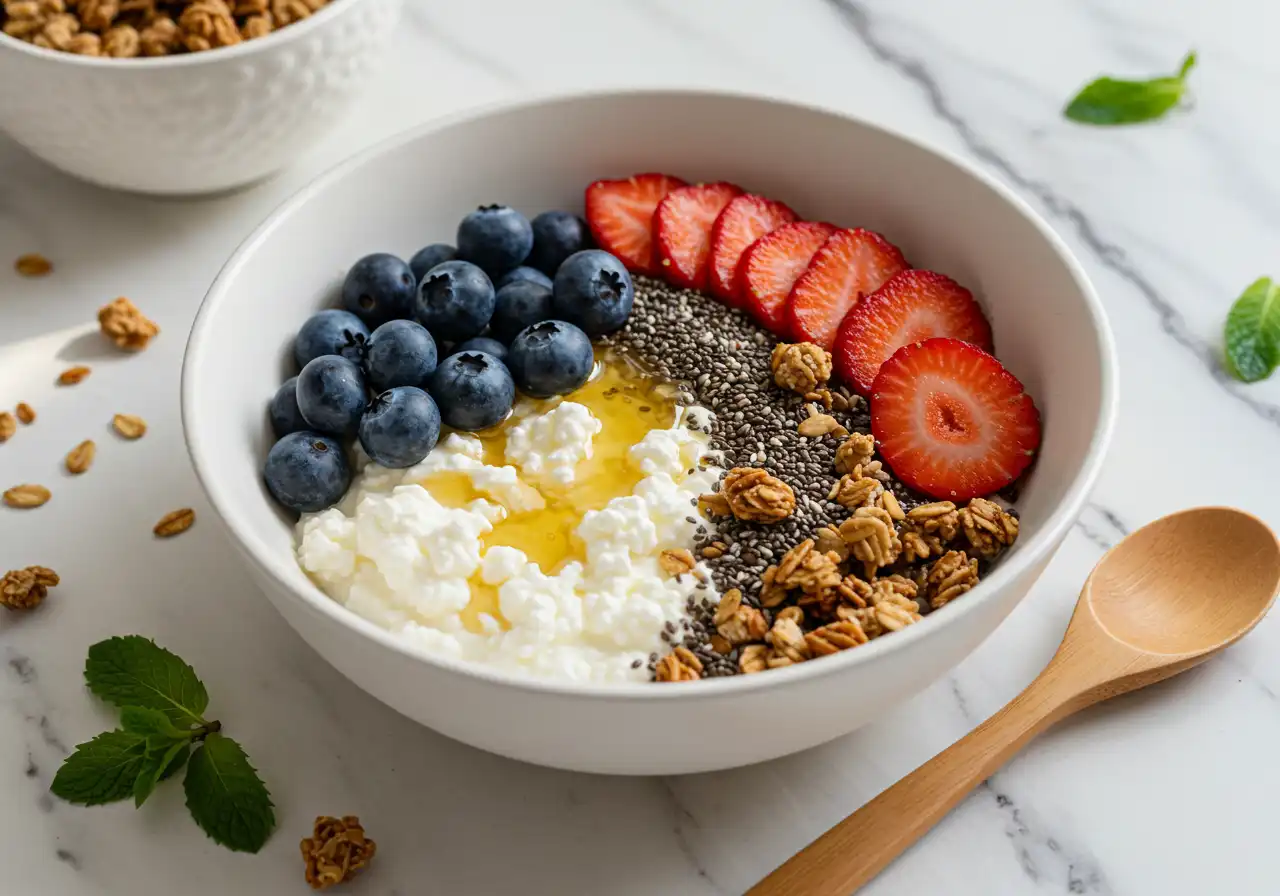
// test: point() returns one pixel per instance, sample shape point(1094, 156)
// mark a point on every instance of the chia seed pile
point(721, 359)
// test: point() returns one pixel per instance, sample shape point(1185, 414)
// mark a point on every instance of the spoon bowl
point(1165, 599)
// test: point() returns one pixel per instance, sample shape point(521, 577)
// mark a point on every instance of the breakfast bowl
point(1048, 326)
point(199, 122)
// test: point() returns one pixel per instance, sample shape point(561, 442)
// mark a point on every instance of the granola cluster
point(25, 589)
point(125, 29)
point(125, 325)
point(873, 573)
point(335, 851)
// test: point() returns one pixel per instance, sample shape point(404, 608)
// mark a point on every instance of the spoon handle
point(859, 848)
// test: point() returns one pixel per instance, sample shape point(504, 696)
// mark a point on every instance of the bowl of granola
point(657, 437)
point(183, 97)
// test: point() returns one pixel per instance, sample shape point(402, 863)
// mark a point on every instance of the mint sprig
point(1112, 101)
point(163, 729)
point(1252, 335)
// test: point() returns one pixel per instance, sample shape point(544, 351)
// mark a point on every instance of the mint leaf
point(103, 770)
point(153, 768)
point(1110, 101)
point(134, 671)
point(226, 797)
point(1253, 332)
point(149, 722)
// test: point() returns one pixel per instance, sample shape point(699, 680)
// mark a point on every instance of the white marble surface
point(1172, 791)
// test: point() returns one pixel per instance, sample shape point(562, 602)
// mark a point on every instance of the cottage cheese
point(397, 556)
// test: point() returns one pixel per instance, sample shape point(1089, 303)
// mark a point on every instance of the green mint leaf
point(176, 764)
point(144, 721)
point(1110, 101)
point(226, 797)
point(1253, 332)
point(134, 671)
point(153, 768)
point(103, 770)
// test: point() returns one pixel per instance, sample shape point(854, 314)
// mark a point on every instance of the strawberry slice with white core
point(682, 231)
point(770, 266)
point(910, 307)
point(851, 264)
point(951, 421)
point(620, 215)
point(743, 221)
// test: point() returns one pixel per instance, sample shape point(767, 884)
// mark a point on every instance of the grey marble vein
point(67, 857)
point(1042, 856)
point(1101, 526)
point(21, 668)
point(683, 820)
point(1107, 253)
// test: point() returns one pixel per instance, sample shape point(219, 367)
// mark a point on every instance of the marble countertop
point(1170, 791)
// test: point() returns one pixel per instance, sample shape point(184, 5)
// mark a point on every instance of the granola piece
point(834, 637)
point(8, 426)
point(871, 538)
point(854, 591)
point(771, 594)
point(86, 43)
point(80, 458)
point(802, 367)
point(720, 644)
point(892, 597)
point(795, 614)
point(750, 493)
point(892, 587)
point(677, 562)
point(855, 451)
point(97, 15)
point(73, 375)
point(679, 665)
point(737, 622)
point(335, 851)
point(286, 12)
point(25, 497)
point(24, 589)
point(26, 413)
point(854, 492)
point(256, 26)
point(174, 523)
point(121, 42)
point(754, 658)
point(121, 321)
point(918, 546)
point(988, 528)
point(787, 640)
point(206, 24)
point(951, 575)
point(32, 264)
point(807, 569)
point(58, 32)
point(822, 397)
point(818, 424)
point(160, 37)
point(888, 501)
point(714, 550)
point(938, 518)
point(829, 542)
point(129, 426)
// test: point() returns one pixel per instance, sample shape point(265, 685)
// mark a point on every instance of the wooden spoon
point(1165, 599)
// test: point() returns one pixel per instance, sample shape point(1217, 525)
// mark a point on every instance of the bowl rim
point(1033, 549)
point(278, 37)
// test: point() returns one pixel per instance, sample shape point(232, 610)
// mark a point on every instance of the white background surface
point(1172, 791)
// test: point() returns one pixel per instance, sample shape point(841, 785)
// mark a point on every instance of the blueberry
point(307, 471)
point(519, 305)
point(496, 237)
point(594, 291)
point(379, 288)
point(400, 427)
point(455, 300)
point(556, 236)
point(428, 257)
point(400, 353)
point(332, 394)
point(285, 416)
point(474, 390)
point(330, 332)
point(550, 358)
point(532, 275)
point(482, 344)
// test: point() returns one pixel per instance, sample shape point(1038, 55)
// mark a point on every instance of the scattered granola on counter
point(25, 589)
point(129, 426)
point(336, 850)
point(175, 523)
point(32, 264)
point(25, 497)
point(8, 426)
point(73, 375)
point(26, 413)
point(126, 326)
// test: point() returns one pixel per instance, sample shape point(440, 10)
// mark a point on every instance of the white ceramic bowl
point(198, 122)
point(1049, 329)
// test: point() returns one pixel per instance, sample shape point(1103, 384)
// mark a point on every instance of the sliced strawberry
point(682, 231)
point(951, 421)
point(743, 221)
point(770, 266)
point(620, 215)
point(910, 307)
point(850, 265)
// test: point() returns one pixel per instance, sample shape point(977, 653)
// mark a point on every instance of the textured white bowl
point(199, 122)
point(1049, 329)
